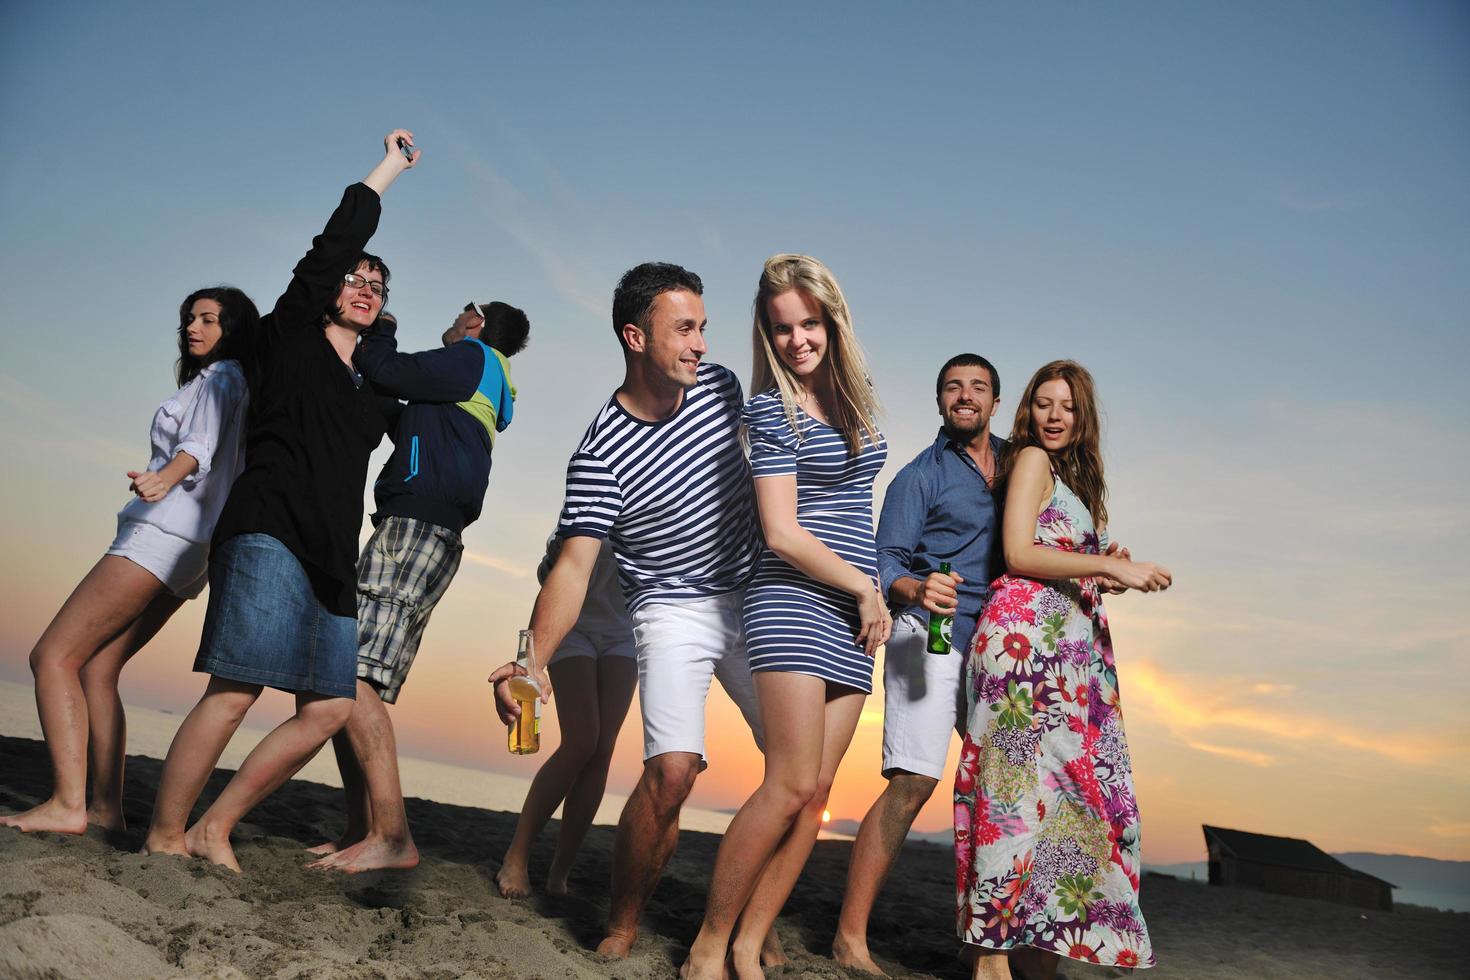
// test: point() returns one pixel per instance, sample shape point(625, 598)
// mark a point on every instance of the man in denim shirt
point(938, 509)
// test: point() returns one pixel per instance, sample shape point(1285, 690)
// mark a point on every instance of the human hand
point(875, 624)
point(1145, 576)
point(505, 705)
point(395, 151)
point(937, 593)
point(149, 485)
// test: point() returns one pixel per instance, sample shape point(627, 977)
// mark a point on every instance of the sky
point(1251, 221)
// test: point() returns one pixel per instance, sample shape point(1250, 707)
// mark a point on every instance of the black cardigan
point(311, 428)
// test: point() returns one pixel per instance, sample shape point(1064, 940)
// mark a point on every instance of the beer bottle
point(524, 734)
point(940, 627)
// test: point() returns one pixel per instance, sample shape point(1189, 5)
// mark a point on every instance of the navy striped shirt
point(793, 622)
point(674, 496)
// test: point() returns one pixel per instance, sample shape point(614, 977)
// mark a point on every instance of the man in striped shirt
point(661, 474)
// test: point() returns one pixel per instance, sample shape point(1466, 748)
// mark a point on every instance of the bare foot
point(772, 952)
point(746, 964)
point(617, 945)
point(853, 954)
point(557, 885)
point(161, 843)
point(209, 844)
point(371, 854)
point(107, 818)
point(513, 880)
point(349, 837)
point(51, 816)
point(688, 972)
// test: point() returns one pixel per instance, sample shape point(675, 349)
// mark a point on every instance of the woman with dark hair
point(1046, 824)
point(283, 603)
point(158, 560)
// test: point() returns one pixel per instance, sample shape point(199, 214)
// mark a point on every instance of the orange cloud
point(1186, 709)
point(1240, 755)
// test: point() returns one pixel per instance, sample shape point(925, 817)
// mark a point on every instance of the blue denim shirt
point(939, 508)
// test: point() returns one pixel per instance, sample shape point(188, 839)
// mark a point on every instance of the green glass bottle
point(940, 627)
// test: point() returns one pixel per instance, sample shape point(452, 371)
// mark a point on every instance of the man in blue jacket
point(433, 485)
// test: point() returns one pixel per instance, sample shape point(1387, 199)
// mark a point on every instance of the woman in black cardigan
point(282, 603)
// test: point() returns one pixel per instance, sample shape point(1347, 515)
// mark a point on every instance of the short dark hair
point(640, 286)
point(967, 360)
point(374, 264)
point(506, 328)
point(238, 321)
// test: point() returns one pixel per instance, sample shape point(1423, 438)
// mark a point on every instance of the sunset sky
point(1250, 220)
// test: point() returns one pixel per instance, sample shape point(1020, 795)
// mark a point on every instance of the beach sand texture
point(89, 907)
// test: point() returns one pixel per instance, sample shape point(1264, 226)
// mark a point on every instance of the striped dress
point(673, 496)
point(792, 622)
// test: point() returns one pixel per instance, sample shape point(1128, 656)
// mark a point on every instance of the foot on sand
point(349, 837)
point(513, 880)
point(158, 843)
point(746, 965)
point(51, 816)
point(688, 972)
point(556, 879)
point(773, 954)
point(108, 819)
point(204, 842)
point(370, 854)
point(853, 955)
point(617, 945)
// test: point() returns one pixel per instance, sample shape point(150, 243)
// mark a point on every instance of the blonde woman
point(814, 617)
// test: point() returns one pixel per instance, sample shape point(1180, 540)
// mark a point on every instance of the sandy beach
point(92, 907)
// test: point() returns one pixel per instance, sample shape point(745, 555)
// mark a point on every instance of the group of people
point(703, 535)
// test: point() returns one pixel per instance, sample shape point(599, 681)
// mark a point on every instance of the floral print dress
point(1045, 820)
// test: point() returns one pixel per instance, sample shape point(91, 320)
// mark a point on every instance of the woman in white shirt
point(158, 560)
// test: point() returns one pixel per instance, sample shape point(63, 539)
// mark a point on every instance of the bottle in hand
point(940, 627)
point(524, 735)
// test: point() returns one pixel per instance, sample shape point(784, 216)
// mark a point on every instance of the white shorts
point(681, 645)
point(923, 699)
point(595, 645)
point(180, 564)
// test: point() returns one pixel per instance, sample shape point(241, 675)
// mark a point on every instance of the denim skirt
point(264, 624)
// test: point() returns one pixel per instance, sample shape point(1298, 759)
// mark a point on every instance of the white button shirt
point(206, 419)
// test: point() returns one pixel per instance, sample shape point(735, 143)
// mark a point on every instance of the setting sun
point(826, 816)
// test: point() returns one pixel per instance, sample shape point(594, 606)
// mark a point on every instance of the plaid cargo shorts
point(403, 573)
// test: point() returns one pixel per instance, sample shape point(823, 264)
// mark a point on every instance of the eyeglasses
point(472, 308)
point(353, 281)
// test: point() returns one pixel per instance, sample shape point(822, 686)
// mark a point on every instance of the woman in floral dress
point(1046, 825)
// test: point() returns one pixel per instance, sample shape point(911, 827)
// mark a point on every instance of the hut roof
point(1287, 852)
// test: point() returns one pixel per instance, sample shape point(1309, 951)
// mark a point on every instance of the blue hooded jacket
point(458, 397)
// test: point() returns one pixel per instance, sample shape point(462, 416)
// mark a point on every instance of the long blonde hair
point(857, 406)
point(1079, 463)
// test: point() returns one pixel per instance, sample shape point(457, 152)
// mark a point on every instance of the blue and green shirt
point(458, 397)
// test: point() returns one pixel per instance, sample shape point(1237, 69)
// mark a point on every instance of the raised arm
point(1027, 494)
point(318, 276)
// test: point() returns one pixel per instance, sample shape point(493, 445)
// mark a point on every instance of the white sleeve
point(215, 409)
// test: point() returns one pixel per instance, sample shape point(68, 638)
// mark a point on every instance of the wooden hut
point(1288, 866)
